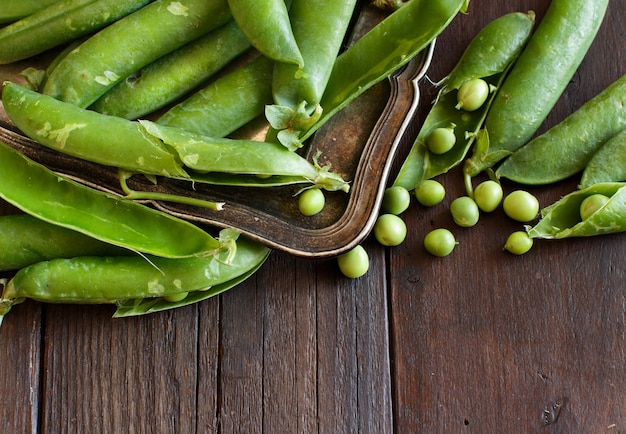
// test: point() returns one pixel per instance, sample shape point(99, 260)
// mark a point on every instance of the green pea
point(354, 263)
point(389, 230)
point(464, 211)
point(441, 140)
point(311, 201)
point(176, 297)
point(430, 192)
point(520, 205)
point(440, 242)
point(396, 200)
point(592, 204)
point(472, 94)
point(518, 243)
point(488, 195)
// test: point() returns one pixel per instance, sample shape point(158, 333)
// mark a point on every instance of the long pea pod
point(562, 218)
point(41, 193)
point(267, 26)
point(608, 164)
point(25, 240)
point(567, 147)
point(59, 23)
point(541, 73)
point(488, 56)
point(227, 103)
point(173, 75)
point(11, 10)
point(112, 54)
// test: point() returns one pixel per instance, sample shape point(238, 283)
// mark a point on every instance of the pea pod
point(488, 56)
point(173, 75)
point(58, 23)
point(267, 26)
point(39, 192)
point(227, 103)
point(539, 76)
point(562, 218)
point(25, 240)
point(127, 45)
point(565, 149)
point(608, 164)
point(11, 10)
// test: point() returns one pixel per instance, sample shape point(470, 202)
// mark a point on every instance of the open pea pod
point(562, 218)
point(488, 56)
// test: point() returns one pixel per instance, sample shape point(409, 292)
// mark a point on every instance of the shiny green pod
point(608, 164)
point(12, 10)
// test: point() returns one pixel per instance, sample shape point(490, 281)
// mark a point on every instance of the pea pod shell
point(567, 147)
point(86, 134)
point(562, 219)
point(11, 10)
point(39, 192)
point(608, 164)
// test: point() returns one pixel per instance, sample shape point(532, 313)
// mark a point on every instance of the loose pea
point(354, 263)
point(472, 94)
point(429, 192)
point(518, 243)
point(311, 201)
point(591, 204)
point(441, 140)
point(390, 230)
point(520, 205)
point(396, 200)
point(440, 242)
point(464, 211)
point(488, 195)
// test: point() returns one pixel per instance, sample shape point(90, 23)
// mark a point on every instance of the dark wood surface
point(478, 342)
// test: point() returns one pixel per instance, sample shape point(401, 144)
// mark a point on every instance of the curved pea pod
point(59, 23)
point(608, 164)
point(242, 157)
point(566, 148)
point(488, 56)
point(541, 73)
point(25, 240)
point(173, 75)
point(41, 193)
point(267, 26)
point(562, 219)
point(129, 44)
point(11, 10)
point(86, 134)
point(227, 103)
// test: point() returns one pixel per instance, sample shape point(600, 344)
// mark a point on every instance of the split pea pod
point(173, 75)
point(565, 149)
point(11, 10)
point(267, 26)
point(41, 193)
point(562, 219)
point(539, 76)
point(127, 45)
point(488, 56)
point(227, 103)
point(608, 164)
point(61, 22)
point(25, 240)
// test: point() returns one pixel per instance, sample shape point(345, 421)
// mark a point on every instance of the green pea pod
point(227, 103)
point(608, 164)
point(25, 240)
point(488, 56)
point(173, 75)
point(562, 219)
point(85, 134)
point(129, 44)
point(244, 157)
point(267, 26)
point(59, 23)
point(41, 193)
point(567, 147)
point(11, 10)
point(539, 76)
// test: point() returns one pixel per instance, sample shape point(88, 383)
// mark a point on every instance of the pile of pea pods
point(120, 62)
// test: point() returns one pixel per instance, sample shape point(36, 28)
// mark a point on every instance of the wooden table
point(480, 341)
